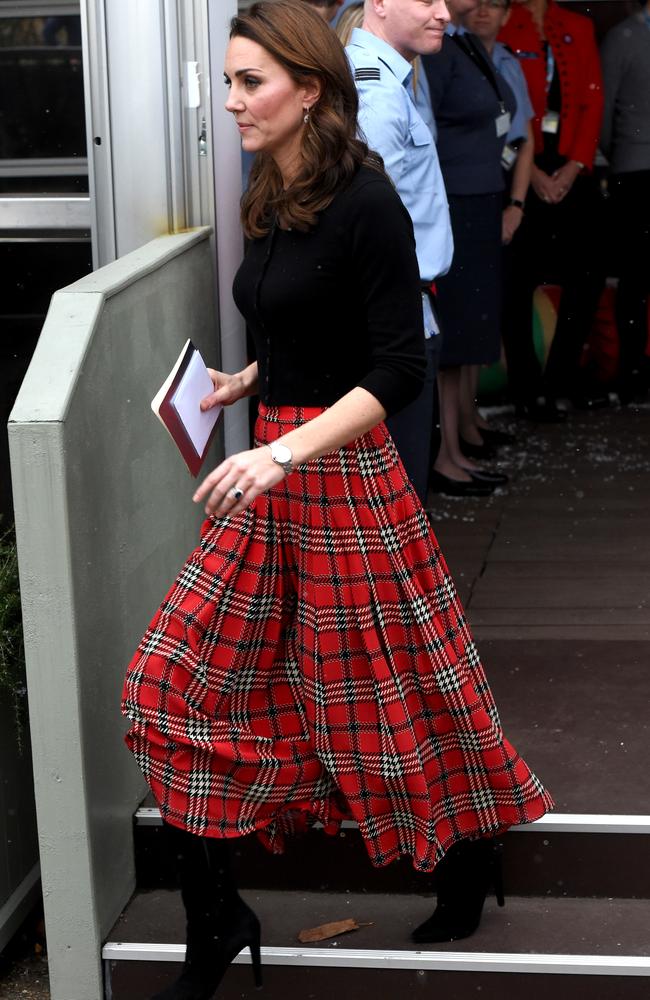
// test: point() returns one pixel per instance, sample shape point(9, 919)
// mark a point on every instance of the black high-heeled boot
point(464, 876)
point(219, 923)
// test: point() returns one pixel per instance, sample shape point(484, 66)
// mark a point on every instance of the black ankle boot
point(464, 877)
point(219, 923)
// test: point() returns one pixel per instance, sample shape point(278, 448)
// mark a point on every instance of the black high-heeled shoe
point(489, 476)
point(495, 438)
point(219, 923)
point(459, 487)
point(483, 452)
point(464, 877)
point(208, 957)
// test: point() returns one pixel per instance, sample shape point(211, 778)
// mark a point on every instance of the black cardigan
point(338, 306)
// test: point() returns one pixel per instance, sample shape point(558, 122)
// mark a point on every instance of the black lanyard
point(467, 44)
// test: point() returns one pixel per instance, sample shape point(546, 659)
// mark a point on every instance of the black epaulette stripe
point(367, 73)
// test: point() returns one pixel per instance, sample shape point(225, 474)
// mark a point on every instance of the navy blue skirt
point(469, 296)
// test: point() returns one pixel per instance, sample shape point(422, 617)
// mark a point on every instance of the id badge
point(431, 328)
point(502, 123)
point(551, 122)
point(508, 157)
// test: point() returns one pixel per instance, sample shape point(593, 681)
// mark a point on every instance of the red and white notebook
point(177, 406)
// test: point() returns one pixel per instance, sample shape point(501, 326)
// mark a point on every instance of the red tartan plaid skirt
point(312, 661)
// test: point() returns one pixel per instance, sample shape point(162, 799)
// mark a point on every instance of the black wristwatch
point(517, 203)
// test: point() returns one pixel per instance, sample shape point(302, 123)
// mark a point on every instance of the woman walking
point(312, 661)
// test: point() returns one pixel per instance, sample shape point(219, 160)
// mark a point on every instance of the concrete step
point(575, 947)
point(560, 855)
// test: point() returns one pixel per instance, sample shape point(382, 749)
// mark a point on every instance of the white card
point(431, 328)
point(503, 124)
point(551, 122)
point(508, 157)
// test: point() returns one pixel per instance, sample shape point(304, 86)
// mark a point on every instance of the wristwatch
point(282, 455)
point(517, 203)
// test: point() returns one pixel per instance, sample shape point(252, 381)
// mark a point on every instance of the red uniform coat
point(576, 55)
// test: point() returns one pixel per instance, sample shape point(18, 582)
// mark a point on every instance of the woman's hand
point(229, 388)
point(510, 222)
point(564, 179)
point(543, 186)
point(251, 472)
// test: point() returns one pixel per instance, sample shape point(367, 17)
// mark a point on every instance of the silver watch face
point(281, 453)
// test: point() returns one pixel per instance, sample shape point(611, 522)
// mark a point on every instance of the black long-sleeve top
point(339, 306)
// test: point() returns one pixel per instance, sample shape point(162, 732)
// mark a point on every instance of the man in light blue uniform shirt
point(396, 120)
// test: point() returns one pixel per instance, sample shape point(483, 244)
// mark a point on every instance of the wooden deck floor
point(554, 571)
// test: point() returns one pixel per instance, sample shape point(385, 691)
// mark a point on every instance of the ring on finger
point(236, 493)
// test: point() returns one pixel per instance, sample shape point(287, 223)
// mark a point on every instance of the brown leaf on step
point(325, 931)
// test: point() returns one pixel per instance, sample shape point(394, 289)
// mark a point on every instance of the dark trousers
point(555, 244)
point(412, 428)
point(630, 202)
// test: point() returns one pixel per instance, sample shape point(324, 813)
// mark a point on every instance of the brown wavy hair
point(299, 39)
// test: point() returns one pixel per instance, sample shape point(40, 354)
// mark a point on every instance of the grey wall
point(104, 518)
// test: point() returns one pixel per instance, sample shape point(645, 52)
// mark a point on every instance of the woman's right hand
point(543, 186)
point(510, 222)
point(229, 388)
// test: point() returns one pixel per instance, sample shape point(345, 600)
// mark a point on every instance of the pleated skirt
point(312, 662)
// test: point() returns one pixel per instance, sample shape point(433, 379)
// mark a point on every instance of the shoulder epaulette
point(367, 73)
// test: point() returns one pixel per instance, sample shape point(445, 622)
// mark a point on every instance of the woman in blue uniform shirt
point(486, 21)
point(473, 107)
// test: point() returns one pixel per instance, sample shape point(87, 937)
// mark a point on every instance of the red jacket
point(574, 46)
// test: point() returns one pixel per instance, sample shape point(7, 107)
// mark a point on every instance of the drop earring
point(306, 116)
